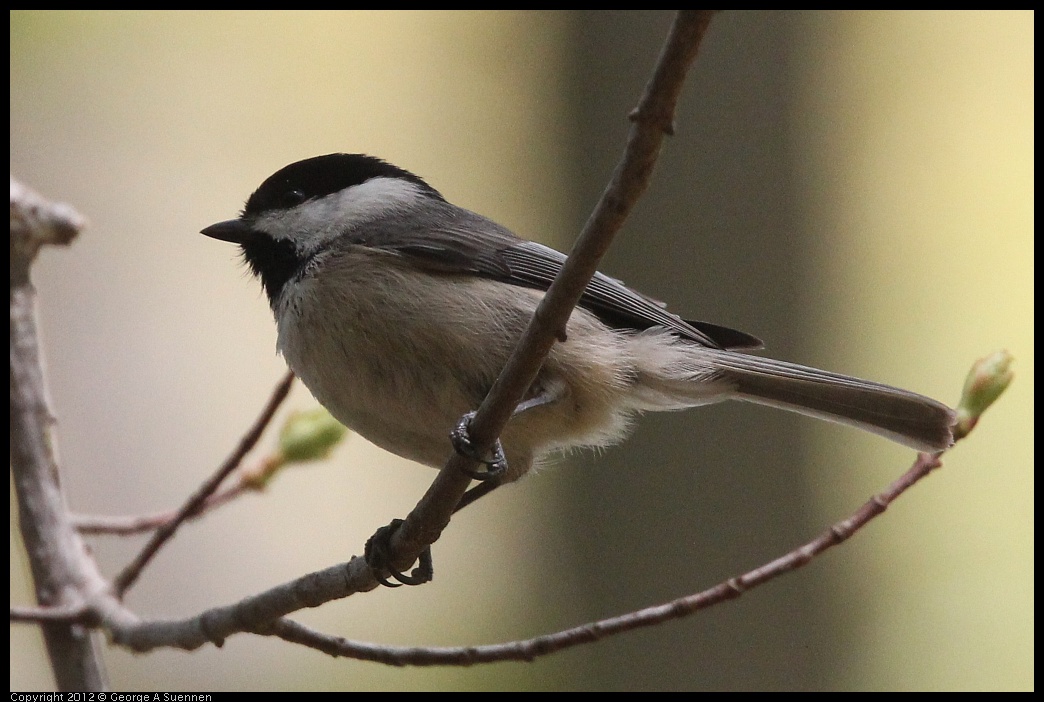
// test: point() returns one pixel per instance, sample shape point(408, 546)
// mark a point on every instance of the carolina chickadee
point(398, 310)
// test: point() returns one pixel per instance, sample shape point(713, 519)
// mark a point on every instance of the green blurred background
point(855, 188)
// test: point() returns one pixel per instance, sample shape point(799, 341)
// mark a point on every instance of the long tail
point(676, 374)
point(900, 415)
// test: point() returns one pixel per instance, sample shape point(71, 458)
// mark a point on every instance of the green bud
point(988, 378)
point(309, 436)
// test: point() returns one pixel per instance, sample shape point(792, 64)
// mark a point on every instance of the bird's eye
point(292, 198)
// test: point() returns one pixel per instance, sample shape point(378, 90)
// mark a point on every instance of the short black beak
point(235, 230)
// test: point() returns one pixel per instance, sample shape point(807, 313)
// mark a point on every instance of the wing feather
point(448, 243)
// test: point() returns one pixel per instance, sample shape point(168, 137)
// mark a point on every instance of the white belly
point(370, 352)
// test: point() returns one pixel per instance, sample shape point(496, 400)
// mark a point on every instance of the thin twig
point(245, 481)
point(133, 570)
point(530, 649)
point(38, 615)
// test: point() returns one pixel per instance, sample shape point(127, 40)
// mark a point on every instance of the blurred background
point(855, 188)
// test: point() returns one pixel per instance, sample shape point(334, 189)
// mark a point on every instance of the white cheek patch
point(316, 222)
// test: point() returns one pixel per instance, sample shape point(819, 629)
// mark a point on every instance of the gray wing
point(616, 304)
point(454, 240)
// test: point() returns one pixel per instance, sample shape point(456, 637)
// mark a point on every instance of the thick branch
point(63, 572)
point(252, 614)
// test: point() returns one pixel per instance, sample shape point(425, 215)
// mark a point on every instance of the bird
point(398, 309)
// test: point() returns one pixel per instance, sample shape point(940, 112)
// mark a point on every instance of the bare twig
point(63, 573)
point(252, 614)
point(69, 614)
point(245, 481)
point(37, 222)
point(195, 503)
point(304, 437)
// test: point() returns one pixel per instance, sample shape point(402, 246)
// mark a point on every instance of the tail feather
point(900, 415)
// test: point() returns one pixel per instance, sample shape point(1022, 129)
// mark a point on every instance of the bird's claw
point(378, 557)
point(496, 466)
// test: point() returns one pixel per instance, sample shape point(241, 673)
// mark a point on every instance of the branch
point(529, 649)
point(305, 437)
point(35, 223)
point(63, 572)
point(252, 614)
point(40, 615)
point(124, 525)
point(652, 119)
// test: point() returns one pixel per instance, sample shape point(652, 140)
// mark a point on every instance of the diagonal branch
point(652, 119)
point(124, 525)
